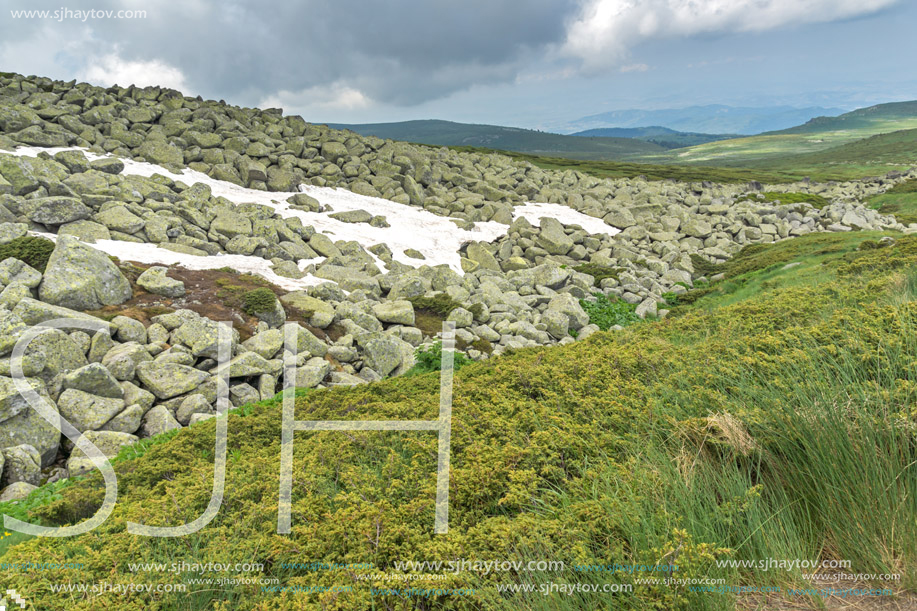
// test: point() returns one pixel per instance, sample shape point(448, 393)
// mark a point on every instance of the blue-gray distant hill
point(663, 136)
point(448, 133)
point(710, 119)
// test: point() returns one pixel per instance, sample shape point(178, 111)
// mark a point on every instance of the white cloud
point(605, 31)
point(635, 68)
point(334, 97)
point(113, 70)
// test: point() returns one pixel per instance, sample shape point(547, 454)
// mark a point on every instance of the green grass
point(773, 418)
point(606, 313)
point(816, 201)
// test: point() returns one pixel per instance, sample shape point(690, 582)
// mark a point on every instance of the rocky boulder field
point(507, 251)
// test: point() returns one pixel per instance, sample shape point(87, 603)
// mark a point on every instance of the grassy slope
point(856, 143)
point(900, 200)
point(448, 133)
point(598, 452)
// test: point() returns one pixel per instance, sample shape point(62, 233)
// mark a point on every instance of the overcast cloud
point(349, 58)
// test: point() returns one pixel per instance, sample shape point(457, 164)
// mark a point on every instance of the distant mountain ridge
point(449, 133)
point(709, 119)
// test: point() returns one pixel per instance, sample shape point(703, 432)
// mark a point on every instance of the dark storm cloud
point(398, 51)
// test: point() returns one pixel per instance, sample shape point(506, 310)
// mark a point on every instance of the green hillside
point(644, 446)
point(663, 136)
point(448, 133)
point(821, 140)
point(861, 118)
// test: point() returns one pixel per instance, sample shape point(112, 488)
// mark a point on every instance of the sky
point(525, 63)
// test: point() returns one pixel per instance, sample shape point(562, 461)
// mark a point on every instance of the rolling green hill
point(448, 133)
point(861, 118)
point(823, 144)
point(663, 136)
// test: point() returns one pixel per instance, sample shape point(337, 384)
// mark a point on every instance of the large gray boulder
point(552, 237)
point(384, 354)
point(80, 277)
point(397, 312)
point(87, 412)
point(122, 360)
point(108, 442)
point(94, 379)
point(21, 463)
point(16, 492)
point(57, 210)
point(14, 271)
point(158, 420)
point(568, 305)
point(155, 280)
point(167, 380)
point(28, 427)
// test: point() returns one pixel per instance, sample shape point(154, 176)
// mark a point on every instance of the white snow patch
point(437, 238)
point(244, 264)
point(533, 213)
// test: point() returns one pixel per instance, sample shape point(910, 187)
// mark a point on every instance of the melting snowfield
point(438, 238)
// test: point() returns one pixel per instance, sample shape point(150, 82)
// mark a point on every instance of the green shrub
point(32, 250)
point(606, 313)
point(258, 301)
point(430, 359)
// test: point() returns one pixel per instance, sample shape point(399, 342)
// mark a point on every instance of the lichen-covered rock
point(319, 313)
point(193, 404)
point(398, 312)
point(16, 491)
point(94, 379)
point(158, 420)
point(129, 329)
point(57, 210)
point(155, 280)
point(568, 305)
point(307, 342)
point(87, 412)
point(311, 375)
point(85, 231)
point(126, 421)
point(122, 360)
point(244, 365)
point(119, 218)
point(167, 380)
point(384, 354)
point(108, 442)
point(29, 427)
point(21, 463)
point(161, 152)
point(265, 344)
point(80, 277)
point(15, 271)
